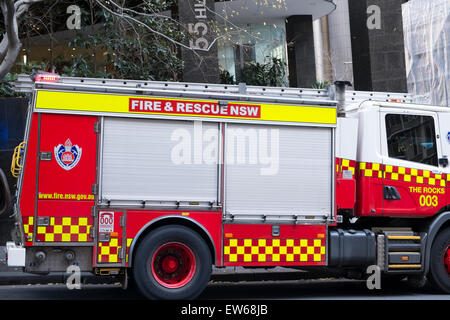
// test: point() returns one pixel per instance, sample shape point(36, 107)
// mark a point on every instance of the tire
point(439, 268)
point(172, 263)
point(5, 194)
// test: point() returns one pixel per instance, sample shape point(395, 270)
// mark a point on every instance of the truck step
point(403, 251)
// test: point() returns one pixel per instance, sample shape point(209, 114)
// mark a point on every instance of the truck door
point(66, 173)
point(413, 182)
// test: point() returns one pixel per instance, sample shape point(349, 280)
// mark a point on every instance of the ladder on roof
point(24, 84)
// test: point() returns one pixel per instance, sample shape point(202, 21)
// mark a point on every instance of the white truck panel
point(346, 138)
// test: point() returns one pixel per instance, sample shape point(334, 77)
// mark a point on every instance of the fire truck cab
point(161, 181)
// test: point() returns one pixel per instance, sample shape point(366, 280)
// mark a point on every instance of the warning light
point(46, 77)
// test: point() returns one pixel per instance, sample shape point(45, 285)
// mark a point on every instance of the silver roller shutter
point(160, 160)
point(298, 179)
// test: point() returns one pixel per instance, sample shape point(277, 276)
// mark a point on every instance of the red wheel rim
point(447, 260)
point(173, 265)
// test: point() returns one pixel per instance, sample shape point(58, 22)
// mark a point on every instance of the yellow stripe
point(404, 237)
point(401, 266)
point(95, 102)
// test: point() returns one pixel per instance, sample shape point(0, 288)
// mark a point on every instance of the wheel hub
point(173, 265)
point(447, 260)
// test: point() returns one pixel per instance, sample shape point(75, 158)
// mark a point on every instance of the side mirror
point(443, 162)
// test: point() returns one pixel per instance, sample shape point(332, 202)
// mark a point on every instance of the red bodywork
point(58, 205)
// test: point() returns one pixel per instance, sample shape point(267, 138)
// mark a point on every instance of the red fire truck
point(161, 181)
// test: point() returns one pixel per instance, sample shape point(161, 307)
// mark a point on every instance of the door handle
point(391, 193)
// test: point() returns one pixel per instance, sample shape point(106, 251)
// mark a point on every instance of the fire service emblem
point(67, 155)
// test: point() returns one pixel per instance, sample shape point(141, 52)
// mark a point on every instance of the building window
point(412, 138)
point(252, 42)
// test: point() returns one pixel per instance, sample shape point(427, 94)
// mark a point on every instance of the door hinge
point(121, 253)
point(92, 232)
point(122, 221)
point(95, 189)
point(97, 127)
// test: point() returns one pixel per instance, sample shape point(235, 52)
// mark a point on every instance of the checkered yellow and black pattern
point(109, 252)
point(65, 229)
point(274, 250)
point(376, 170)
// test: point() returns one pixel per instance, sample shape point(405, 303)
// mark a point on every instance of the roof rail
point(25, 84)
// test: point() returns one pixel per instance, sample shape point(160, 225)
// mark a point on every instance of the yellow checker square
point(233, 242)
point(49, 237)
point(255, 250)
point(345, 162)
point(431, 181)
point(407, 178)
point(389, 169)
point(262, 242)
point(317, 257)
point(66, 221)
point(226, 250)
point(443, 184)
point(276, 257)
point(317, 242)
point(297, 250)
point(104, 250)
point(240, 250)
point(401, 170)
point(247, 257)
point(290, 242)
point(41, 230)
point(368, 173)
point(426, 174)
point(114, 242)
point(261, 257)
point(394, 176)
point(376, 166)
point(269, 250)
point(303, 257)
point(283, 250)
point(276, 242)
point(58, 229)
point(322, 250)
point(74, 229)
point(233, 257)
point(248, 242)
point(82, 237)
point(419, 179)
point(362, 165)
point(65, 237)
point(113, 258)
point(414, 172)
point(303, 243)
point(289, 257)
point(310, 250)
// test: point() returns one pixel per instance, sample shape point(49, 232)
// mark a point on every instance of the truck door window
point(412, 138)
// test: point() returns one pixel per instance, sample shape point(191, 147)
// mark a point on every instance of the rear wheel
point(440, 261)
point(172, 262)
